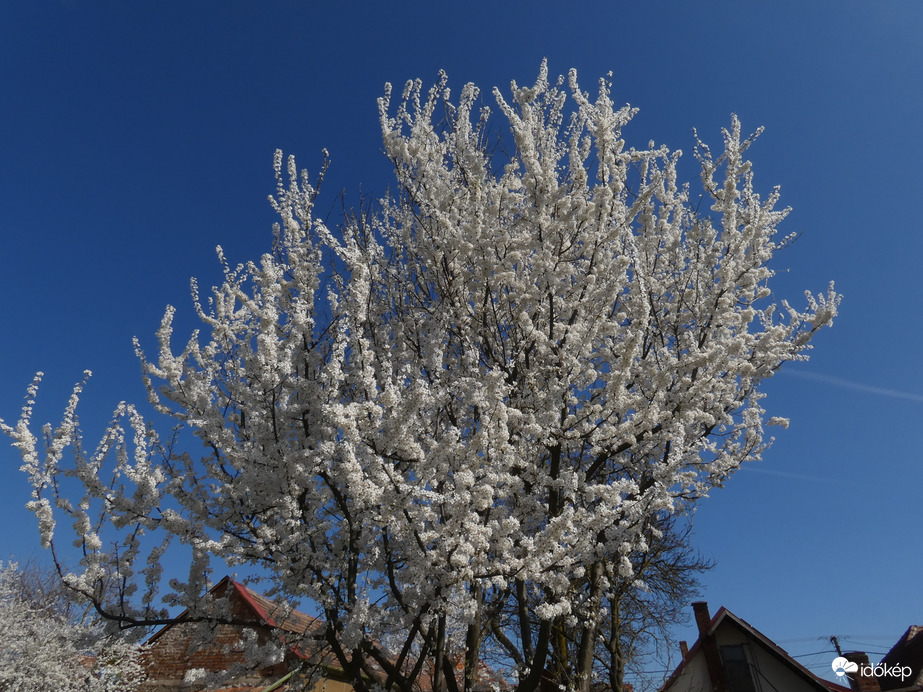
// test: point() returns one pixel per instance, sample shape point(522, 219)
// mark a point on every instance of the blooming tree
point(452, 421)
point(44, 647)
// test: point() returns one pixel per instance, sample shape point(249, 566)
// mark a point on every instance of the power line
point(813, 653)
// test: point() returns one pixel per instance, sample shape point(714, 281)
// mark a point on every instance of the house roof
point(724, 615)
point(273, 614)
point(908, 651)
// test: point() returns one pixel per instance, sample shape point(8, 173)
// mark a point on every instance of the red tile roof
point(276, 613)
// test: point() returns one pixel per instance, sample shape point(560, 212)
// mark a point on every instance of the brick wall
point(169, 657)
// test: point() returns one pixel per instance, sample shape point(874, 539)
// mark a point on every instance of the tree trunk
point(587, 646)
point(473, 645)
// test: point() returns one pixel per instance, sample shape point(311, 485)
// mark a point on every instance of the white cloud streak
point(750, 468)
point(856, 386)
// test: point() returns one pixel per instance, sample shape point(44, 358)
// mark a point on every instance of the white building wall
point(694, 677)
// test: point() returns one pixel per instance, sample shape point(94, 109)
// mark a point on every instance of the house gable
point(749, 660)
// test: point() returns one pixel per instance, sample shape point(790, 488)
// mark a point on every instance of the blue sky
point(139, 135)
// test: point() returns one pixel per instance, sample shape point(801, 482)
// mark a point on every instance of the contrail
point(751, 468)
point(858, 386)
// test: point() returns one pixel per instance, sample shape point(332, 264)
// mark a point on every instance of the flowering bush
point(43, 649)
